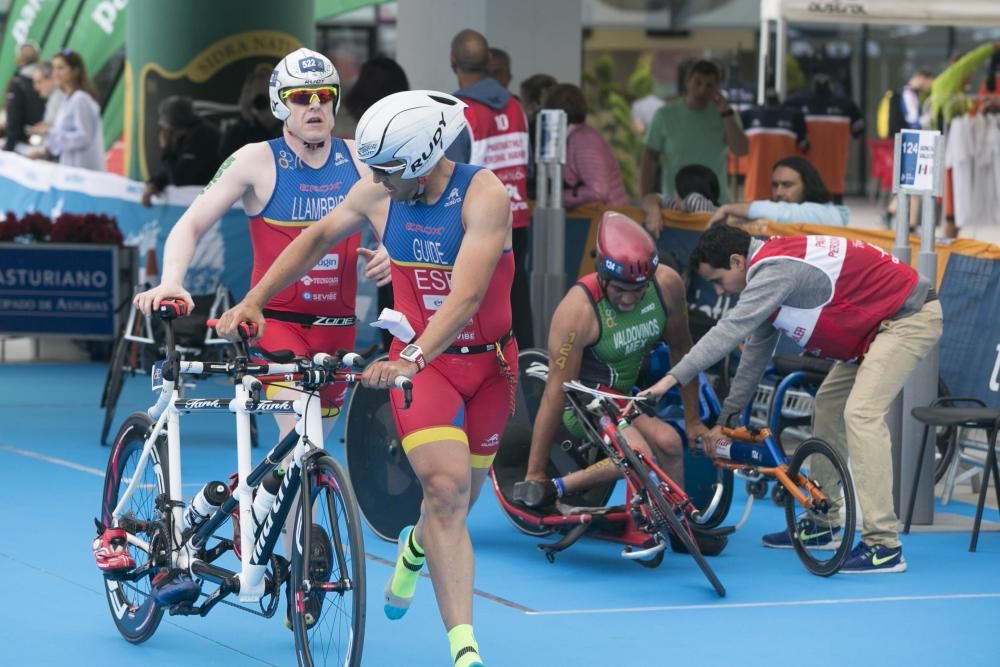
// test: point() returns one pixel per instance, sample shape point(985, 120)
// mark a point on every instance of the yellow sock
point(464, 649)
point(404, 580)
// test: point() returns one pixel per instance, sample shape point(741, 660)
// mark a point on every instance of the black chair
point(943, 412)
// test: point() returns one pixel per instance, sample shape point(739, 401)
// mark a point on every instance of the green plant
point(611, 115)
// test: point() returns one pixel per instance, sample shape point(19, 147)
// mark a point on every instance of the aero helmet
point(625, 251)
point(299, 69)
point(415, 126)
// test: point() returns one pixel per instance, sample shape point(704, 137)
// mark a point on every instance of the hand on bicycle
point(149, 301)
point(693, 431)
point(711, 439)
point(660, 388)
point(228, 324)
point(383, 374)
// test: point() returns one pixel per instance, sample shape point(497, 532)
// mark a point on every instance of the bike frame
point(255, 547)
point(775, 467)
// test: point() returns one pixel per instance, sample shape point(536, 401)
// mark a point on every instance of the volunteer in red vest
point(838, 299)
point(497, 138)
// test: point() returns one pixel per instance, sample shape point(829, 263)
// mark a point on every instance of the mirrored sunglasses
point(304, 96)
point(388, 169)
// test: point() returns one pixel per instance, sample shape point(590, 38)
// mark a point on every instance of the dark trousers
point(520, 290)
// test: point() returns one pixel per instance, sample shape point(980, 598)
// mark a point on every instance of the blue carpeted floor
point(589, 608)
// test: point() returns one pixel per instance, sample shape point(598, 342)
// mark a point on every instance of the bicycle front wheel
point(668, 517)
point(328, 570)
point(133, 609)
point(818, 462)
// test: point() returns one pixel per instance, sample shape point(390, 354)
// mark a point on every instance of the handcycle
point(655, 508)
point(754, 454)
point(169, 545)
point(784, 402)
point(141, 341)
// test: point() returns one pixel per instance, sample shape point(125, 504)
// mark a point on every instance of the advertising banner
point(58, 289)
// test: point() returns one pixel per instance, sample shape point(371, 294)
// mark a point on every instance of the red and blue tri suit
point(465, 393)
point(316, 313)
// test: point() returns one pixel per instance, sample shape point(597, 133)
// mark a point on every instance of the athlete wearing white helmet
point(447, 228)
point(285, 186)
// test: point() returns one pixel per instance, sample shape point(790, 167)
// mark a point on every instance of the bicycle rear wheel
point(133, 609)
point(819, 462)
point(328, 570)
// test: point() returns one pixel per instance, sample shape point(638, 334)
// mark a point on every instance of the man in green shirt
point(694, 129)
point(601, 332)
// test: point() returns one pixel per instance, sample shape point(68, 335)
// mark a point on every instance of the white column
point(539, 42)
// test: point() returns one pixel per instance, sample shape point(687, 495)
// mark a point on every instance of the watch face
point(409, 352)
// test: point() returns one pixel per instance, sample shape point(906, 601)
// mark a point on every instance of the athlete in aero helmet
point(407, 133)
point(625, 251)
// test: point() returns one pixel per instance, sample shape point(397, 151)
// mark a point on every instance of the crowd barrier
point(223, 254)
point(968, 271)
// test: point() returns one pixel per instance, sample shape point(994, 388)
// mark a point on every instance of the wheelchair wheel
point(820, 463)
point(387, 489)
point(511, 461)
point(113, 384)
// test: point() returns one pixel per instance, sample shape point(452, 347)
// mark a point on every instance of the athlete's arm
point(574, 328)
point(230, 182)
point(677, 335)
point(487, 219)
point(303, 253)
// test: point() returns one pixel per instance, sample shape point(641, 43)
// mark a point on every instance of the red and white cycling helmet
point(625, 251)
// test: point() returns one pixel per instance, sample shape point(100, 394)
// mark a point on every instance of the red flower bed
point(68, 228)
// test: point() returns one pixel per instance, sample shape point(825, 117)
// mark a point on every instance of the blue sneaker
point(876, 559)
point(808, 532)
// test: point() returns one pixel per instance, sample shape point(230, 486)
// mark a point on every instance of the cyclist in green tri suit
point(601, 332)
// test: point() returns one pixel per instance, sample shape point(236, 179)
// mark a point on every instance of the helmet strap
point(421, 188)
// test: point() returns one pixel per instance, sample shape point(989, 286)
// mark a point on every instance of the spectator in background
point(591, 174)
point(24, 106)
point(694, 129)
point(832, 120)
point(189, 148)
point(533, 90)
point(76, 136)
point(696, 190)
point(499, 68)
point(379, 77)
point(45, 85)
point(256, 122)
point(905, 114)
point(497, 137)
point(797, 195)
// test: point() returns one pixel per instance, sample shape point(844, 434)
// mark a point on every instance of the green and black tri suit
point(625, 338)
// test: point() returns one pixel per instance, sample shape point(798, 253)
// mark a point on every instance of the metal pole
point(548, 243)
point(781, 46)
point(921, 387)
point(539, 238)
point(765, 48)
point(902, 247)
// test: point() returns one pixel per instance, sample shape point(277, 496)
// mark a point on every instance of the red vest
point(500, 143)
point(869, 287)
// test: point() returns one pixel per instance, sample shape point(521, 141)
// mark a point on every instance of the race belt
point(310, 320)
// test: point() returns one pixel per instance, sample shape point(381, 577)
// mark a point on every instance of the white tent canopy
point(897, 12)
